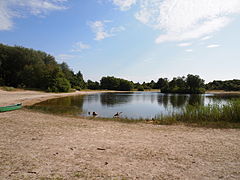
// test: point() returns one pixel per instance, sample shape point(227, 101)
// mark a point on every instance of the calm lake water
point(131, 104)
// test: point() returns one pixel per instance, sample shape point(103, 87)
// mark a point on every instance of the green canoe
point(10, 108)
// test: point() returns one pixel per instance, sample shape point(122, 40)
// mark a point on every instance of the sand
point(34, 145)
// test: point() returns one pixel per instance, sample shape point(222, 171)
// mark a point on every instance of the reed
point(227, 115)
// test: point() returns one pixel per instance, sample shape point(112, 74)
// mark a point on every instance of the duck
point(94, 114)
point(117, 114)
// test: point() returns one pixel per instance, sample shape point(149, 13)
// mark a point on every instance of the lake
point(132, 104)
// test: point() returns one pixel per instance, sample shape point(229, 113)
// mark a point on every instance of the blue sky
point(138, 40)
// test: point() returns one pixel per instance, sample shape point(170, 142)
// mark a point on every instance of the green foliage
point(162, 83)
point(125, 85)
point(193, 84)
point(112, 83)
point(229, 85)
point(60, 85)
point(76, 80)
point(28, 68)
point(140, 88)
point(93, 85)
point(214, 115)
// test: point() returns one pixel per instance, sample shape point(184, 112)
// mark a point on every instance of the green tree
point(162, 83)
point(195, 83)
point(110, 83)
point(93, 85)
point(23, 67)
point(125, 85)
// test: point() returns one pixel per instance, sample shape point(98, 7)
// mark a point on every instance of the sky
point(138, 40)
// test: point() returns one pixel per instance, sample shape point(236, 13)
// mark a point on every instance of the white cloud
point(124, 4)
point(197, 32)
point(19, 8)
point(206, 38)
point(5, 17)
point(79, 46)
point(184, 19)
point(213, 46)
point(184, 44)
point(64, 57)
point(101, 32)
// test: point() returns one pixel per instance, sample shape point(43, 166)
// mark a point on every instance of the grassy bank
point(220, 116)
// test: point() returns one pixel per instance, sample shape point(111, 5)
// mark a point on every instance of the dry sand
point(34, 145)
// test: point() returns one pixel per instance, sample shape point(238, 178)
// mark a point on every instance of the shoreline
point(28, 98)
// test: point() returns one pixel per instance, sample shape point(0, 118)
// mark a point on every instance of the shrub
point(140, 88)
point(60, 85)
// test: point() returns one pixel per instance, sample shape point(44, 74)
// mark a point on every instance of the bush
point(60, 85)
point(77, 88)
point(140, 88)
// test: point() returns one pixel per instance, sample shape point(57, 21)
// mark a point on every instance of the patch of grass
point(216, 116)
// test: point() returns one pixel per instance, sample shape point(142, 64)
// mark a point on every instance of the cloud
point(181, 20)
point(79, 46)
point(22, 8)
point(101, 32)
point(124, 4)
point(206, 38)
point(5, 17)
point(184, 44)
point(64, 57)
point(213, 46)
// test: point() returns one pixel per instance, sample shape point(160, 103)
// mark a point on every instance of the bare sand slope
point(41, 146)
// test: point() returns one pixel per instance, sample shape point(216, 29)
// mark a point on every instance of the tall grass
point(214, 115)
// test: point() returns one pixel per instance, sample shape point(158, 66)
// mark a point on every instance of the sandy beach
point(34, 145)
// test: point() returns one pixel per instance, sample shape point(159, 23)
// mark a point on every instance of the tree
point(194, 82)
point(93, 85)
point(112, 83)
point(23, 67)
point(125, 85)
point(162, 83)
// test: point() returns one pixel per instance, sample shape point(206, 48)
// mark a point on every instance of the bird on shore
point(94, 114)
point(117, 114)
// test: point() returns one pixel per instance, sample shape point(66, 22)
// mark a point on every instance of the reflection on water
point(111, 99)
point(132, 104)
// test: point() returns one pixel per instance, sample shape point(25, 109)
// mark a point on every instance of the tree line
point(229, 85)
point(27, 68)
